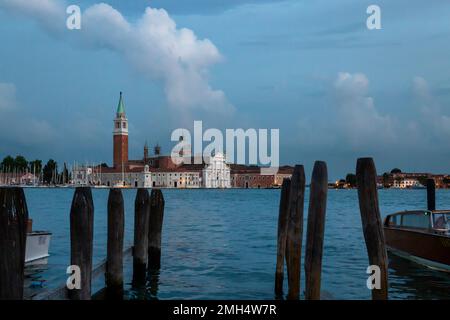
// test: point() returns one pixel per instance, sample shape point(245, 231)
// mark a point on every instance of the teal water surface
point(221, 244)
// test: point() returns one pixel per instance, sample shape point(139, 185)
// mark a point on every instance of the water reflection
point(147, 290)
point(35, 280)
point(153, 283)
point(414, 281)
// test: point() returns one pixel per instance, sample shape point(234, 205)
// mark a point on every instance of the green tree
point(8, 164)
point(396, 170)
point(50, 172)
point(351, 180)
point(422, 180)
point(65, 175)
point(20, 163)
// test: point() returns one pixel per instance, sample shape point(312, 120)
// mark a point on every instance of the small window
point(117, 125)
point(441, 221)
point(416, 220)
point(394, 221)
point(124, 125)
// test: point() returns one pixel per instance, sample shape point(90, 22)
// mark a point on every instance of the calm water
point(221, 244)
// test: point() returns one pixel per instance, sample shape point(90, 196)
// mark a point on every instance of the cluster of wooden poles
point(290, 229)
point(148, 220)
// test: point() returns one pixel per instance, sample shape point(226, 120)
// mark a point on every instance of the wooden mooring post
point(81, 240)
point(315, 232)
point(114, 257)
point(295, 231)
point(283, 217)
point(431, 194)
point(371, 221)
point(155, 229)
point(13, 234)
point(140, 248)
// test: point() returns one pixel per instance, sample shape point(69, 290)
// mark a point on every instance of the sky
point(335, 89)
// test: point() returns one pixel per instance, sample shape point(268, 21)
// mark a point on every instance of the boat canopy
point(421, 219)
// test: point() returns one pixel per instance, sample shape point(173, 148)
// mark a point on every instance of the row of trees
point(49, 173)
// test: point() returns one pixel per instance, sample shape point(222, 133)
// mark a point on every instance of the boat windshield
point(442, 221)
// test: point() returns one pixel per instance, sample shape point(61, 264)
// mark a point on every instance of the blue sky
point(335, 89)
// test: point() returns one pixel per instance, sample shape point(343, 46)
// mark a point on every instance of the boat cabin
point(437, 222)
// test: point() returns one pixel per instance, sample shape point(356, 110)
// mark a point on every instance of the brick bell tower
point(120, 132)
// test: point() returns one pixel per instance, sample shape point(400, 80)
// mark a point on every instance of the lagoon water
point(221, 244)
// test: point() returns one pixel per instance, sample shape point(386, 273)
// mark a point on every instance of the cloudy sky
point(335, 89)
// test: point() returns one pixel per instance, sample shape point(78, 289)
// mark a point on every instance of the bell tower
point(120, 133)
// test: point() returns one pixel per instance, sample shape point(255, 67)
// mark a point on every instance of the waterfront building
point(243, 176)
point(18, 178)
point(406, 183)
point(217, 174)
point(161, 171)
point(151, 171)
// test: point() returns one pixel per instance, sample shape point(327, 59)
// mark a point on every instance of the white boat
point(37, 245)
point(38, 242)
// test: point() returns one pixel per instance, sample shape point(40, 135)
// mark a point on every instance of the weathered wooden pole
point(140, 249)
point(295, 231)
point(316, 228)
point(431, 194)
point(366, 176)
point(283, 216)
point(81, 240)
point(114, 257)
point(13, 235)
point(155, 229)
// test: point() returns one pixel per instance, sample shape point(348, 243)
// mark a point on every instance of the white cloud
point(49, 13)
point(152, 45)
point(431, 115)
point(357, 118)
point(354, 122)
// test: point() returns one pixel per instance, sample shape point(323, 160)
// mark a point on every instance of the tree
point(8, 164)
point(422, 180)
point(350, 179)
point(396, 171)
point(65, 174)
point(50, 171)
point(20, 163)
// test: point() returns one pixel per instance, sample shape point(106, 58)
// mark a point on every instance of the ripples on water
point(221, 244)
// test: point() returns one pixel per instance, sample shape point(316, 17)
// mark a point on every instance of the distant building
point(29, 179)
point(250, 177)
point(151, 171)
point(18, 178)
point(216, 174)
point(406, 183)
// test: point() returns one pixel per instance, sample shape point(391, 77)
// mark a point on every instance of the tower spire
point(120, 106)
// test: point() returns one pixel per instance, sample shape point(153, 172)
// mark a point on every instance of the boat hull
point(431, 250)
point(37, 246)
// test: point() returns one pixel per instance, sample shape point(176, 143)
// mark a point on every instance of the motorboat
point(37, 244)
point(422, 236)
